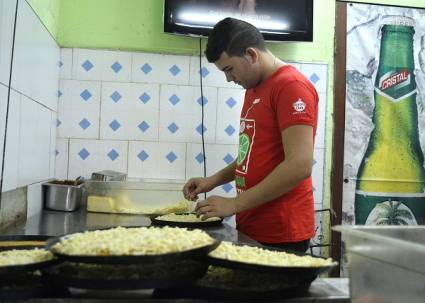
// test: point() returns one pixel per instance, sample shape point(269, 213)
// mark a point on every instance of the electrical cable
point(8, 103)
point(203, 113)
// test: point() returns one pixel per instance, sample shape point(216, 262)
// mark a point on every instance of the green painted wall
point(137, 25)
point(48, 11)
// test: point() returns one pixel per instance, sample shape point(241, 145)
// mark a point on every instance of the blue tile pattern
point(116, 67)
point(85, 94)
point(144, 126)
point(204, 72)
point(116, 96)
point(314, 78)
point(201, 129)
point(146, 68)
point(84, 124)
point(113, 154)
point(84, 153)
point(87, 65)
point(227, 187)
point(173, 127)
point(143, 155)
point(145, 98)
point(228, 159)
point(114, 125)
point(230, 130)
point(200, 158)
point(174, 70)
point(171, 157)
point(231, 102)
point(202, 101)
point(174, 99)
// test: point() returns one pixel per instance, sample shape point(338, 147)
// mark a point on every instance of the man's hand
point(216, 206)
point(196, 186)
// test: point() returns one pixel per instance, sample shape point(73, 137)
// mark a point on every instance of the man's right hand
point(196, 186)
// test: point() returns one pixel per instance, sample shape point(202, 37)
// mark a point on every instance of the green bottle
point(391, 177)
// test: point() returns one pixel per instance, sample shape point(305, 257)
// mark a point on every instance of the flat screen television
point(277, 20)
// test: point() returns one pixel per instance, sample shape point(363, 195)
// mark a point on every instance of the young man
point(278, 123)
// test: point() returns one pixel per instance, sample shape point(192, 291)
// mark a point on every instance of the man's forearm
point(225, 175)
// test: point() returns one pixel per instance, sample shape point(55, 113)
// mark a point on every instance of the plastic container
point(385, 264)
point(136, 197)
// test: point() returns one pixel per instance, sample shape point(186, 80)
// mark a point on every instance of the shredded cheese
point(122, 241)
point(24, 256)
point(185, 218)
point(261, 256)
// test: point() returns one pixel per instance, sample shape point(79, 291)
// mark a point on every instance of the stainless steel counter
point(54, 223)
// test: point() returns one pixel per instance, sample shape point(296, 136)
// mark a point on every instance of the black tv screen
point(277, 20)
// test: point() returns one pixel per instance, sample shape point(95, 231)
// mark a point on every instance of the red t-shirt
point(284, 99)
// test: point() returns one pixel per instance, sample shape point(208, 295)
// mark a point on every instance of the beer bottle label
point(389, 208)
point(395, 84)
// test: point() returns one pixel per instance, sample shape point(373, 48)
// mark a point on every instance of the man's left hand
point(216, 206)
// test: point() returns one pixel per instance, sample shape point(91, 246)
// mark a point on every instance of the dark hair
point(233, 36)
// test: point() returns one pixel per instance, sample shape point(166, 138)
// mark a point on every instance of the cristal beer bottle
point(391, 177)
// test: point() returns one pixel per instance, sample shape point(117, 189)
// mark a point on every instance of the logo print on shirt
point(299, 106)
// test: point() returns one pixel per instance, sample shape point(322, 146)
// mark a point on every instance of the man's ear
point(252, 55)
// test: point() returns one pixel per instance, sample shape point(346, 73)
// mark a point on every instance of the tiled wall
point(140, 113)
point(31, 131)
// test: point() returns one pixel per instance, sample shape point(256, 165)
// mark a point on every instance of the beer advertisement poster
point(384, 116)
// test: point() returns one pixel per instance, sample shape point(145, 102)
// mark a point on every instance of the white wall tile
point(79, 109)
point(34, 199)
point(34, 142)
point(156, 68)
point(35, 59)
point(65, 63)
point(12, 145)
point(7, 19)
point(318, 175)
point(52, 151)
point(211, 75)
point(130, 111)
point(217, 157)
point(157, 160)
point(87, 64)
point(230, 102)
point(210, 114)
point(3, 110)
point(130, 125)
point(61, 158)
point(176, 110)
point(317, 74)
point(87, 156)
point(116, 66)
point(174, 127)
point(78, 124)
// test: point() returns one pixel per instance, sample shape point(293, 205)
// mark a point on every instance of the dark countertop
point(55, 223)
